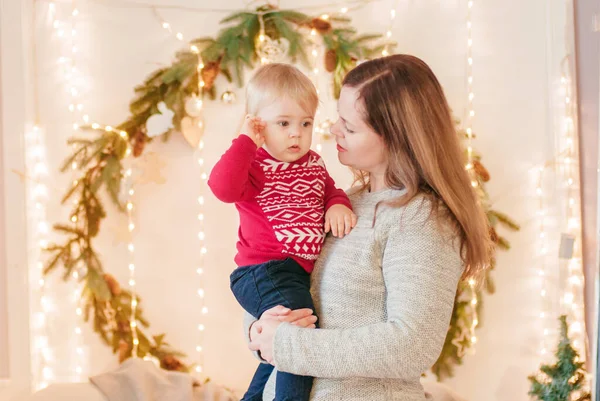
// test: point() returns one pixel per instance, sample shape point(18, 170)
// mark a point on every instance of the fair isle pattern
point(292, 199)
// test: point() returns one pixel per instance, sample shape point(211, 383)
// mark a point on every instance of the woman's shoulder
point(421, 213)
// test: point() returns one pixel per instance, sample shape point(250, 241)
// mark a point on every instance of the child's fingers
point(354, 219)
point(340, 224)
point(333, 226)
point(347, 223)
point(327, 226)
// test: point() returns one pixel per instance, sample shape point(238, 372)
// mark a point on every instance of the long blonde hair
point(404, 103)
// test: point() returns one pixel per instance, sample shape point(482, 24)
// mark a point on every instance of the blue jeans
point(259, 288)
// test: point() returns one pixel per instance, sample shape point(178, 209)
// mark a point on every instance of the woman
point(385, 292)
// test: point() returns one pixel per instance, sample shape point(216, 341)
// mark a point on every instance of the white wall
point(119, 46)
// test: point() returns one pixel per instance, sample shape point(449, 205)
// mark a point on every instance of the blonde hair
point(404, 103)
point(276, 80)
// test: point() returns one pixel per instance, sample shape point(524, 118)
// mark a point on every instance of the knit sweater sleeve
point(334, 195)
point(231, 179)
point(421, 268)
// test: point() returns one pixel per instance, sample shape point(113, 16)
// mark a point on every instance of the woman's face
point(358, 145)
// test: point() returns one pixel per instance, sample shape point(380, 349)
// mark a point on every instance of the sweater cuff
point(245, 142)
point(282, 350)
point(339, 200)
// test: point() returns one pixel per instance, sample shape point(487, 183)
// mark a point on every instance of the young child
point(286, 201)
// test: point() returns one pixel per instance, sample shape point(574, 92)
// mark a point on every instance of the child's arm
point(334, 195)
point(230, 179)
point(339, 217)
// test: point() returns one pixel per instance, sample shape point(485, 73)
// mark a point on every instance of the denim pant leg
point(261, 287)
point(257, 385)
point(287, 283)
point(243, 285)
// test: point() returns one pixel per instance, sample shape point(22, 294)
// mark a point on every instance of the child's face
point(288, 131)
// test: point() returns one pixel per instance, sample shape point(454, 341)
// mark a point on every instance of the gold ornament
point(193, 106)
point(192, 130)
point(462, 341)
point(228, 97)
point(271, 50)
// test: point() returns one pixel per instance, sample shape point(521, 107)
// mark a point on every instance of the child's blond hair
point(277, 80)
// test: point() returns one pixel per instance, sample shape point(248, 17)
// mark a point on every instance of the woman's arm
point(421, 269)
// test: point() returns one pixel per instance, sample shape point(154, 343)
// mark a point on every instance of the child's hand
point(340, 220)
point(254, 127)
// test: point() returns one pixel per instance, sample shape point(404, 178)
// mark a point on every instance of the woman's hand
point(263, 340)
point(263, 330)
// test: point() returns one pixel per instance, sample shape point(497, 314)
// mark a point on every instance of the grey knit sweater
point(384, 296)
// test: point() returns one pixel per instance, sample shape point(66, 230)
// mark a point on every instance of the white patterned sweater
point(384, 296)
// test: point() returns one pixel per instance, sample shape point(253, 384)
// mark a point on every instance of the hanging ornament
point(270, 50)
point(192, 130)
point(193, 106)
point(161, 122)
point(462, 341)
point(228, 97)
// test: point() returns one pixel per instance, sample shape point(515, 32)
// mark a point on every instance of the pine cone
point(139, 139)
point(123, 351)
point(113, 284)
point(320, 25)
point(494, 235)
point(169, 362)
point(209, 74)
point(123, 326)
point(481, 171)
point(330, 60)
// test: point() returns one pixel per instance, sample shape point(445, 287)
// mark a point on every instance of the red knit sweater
point(281, 205)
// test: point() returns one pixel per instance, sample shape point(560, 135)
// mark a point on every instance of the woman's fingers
point(296, 315)
point(308, 322)
point(278, 310)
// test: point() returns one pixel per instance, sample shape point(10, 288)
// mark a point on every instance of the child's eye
point(349, 130)
point(283, 123)
point(306, 124)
